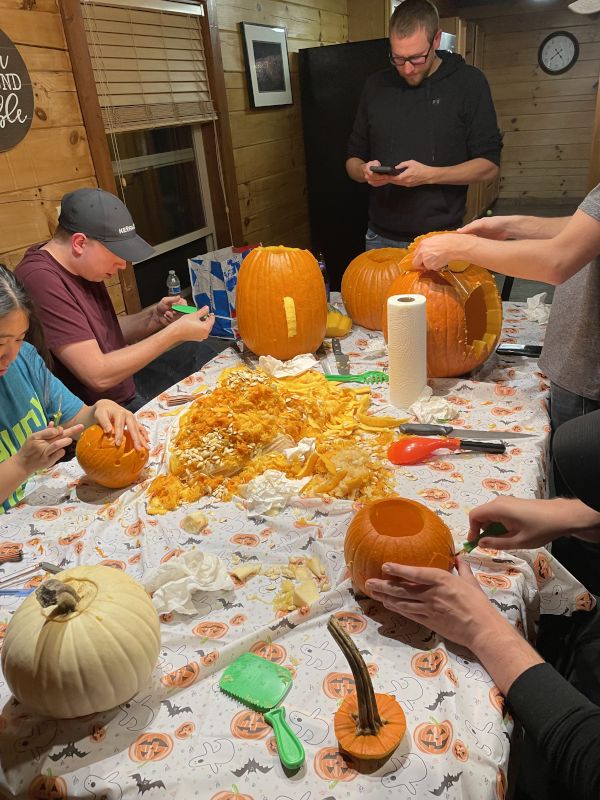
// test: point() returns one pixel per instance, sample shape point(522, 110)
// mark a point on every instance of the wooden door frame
point(219, 149)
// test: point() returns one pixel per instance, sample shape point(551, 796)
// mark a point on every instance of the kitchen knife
point(341, 359)
point(510, 349)
point(421, 429)
point(248, 359)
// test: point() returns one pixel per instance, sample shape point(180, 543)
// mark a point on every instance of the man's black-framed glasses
point(400, 61)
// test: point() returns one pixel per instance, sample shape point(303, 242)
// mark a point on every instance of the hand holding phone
point(387, 170)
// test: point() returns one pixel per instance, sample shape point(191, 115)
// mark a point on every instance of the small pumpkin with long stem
point(368, 726)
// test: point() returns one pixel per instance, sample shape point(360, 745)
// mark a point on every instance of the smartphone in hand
point(387, 170)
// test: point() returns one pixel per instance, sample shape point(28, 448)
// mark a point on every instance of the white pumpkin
point(91, 652)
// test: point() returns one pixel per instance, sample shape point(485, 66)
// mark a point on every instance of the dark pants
point(172, 367)
point(582, 559)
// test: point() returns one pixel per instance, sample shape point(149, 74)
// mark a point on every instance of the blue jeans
point(373, 241)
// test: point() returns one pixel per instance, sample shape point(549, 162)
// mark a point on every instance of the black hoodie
point(448, 119)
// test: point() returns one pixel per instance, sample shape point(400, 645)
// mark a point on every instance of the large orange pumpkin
point(395, 530)
point(366, 281)
point(108, 465)
point(464, 314)
point(280, 302)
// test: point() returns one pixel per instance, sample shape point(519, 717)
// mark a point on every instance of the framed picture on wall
point(267, 65)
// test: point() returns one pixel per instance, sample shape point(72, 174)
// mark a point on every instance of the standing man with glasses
point(431, 117)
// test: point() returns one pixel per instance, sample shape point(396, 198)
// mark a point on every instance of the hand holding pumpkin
point(453, 606)
point(113, 419)
point(489, 228)
point(44, 448)
point(435, 252)
point(534, 523)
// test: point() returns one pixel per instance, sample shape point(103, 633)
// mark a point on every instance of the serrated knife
point(341, 359)
point(422, 429)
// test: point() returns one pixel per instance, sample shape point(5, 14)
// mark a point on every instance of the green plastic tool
point(184, 309)
point(262, 685)
point(493, 529)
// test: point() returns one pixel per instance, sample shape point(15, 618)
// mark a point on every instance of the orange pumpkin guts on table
point(366, 281)
point(464, 313)
point(280, 302)
point(395, 530)
point(108, 465)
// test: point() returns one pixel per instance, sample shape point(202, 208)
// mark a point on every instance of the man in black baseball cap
point(103, 217)
point(96, 353)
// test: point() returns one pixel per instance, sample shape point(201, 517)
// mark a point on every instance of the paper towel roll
point(407, 348)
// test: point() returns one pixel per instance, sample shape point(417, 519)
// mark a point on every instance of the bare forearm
point(12, 475)
point(519, 226)
point(354, 168)
point(137, 326)
point(474, 171)
point(504, 653)
point(101, 371)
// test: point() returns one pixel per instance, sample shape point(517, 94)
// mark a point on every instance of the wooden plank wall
point(54, 157)
point(547, 120)
point(268, 143)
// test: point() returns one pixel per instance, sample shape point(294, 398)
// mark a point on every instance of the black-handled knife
point(424, 429)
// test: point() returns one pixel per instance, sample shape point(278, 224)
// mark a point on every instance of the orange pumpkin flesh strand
point(367, 725)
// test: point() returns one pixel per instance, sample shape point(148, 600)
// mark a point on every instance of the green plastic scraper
point(262, 685)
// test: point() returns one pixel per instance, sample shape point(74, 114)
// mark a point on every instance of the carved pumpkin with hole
point(395, 530)
point(104, 462)
point(280, 302)
point(464, 313)
point(69, 650)
point(366, 281)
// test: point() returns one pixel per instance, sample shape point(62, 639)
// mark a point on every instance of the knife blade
point(421, 429)
point(341, 359)
point(244, 355)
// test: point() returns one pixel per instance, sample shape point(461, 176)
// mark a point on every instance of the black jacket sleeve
point(484, 140)
point(563, 724)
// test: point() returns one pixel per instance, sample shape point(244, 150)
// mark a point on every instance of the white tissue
point(537, 309)
point(172, 584)
point(407, 348)
point(303, 448)
point(432, 409)
point(270, 492)
point(287, 369)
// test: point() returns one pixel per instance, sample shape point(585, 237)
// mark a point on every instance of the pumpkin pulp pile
point(227, 437)
point(368, 726)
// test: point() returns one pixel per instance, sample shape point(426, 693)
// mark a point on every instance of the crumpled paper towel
point(173, 583)
point(303, 448)
point(270, 492)
point(287, 369)
point(432, 409)
point(537, 309)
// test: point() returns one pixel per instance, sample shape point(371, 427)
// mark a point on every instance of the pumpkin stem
point(369, 721)
point(56, 593)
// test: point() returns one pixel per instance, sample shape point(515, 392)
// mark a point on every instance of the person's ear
point(436, 40)
point(78, 243)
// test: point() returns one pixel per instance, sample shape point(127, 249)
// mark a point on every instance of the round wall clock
point(558, 52)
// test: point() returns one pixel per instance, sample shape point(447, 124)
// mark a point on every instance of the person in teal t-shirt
point(34, 403)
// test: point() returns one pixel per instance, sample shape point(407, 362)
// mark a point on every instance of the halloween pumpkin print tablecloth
point(181, 737)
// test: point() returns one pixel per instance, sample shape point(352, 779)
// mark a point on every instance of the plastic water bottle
point(324, 273)
point(173, 285)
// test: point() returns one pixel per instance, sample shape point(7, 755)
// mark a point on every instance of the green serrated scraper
point(262, 685)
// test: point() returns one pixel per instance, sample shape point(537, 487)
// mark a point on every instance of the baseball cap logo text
point(103, 217)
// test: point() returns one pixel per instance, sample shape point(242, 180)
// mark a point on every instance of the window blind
point(149, 67)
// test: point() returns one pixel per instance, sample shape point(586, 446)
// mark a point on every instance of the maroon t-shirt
point(73, 309)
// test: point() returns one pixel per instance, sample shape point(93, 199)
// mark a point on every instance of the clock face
point(558, 52)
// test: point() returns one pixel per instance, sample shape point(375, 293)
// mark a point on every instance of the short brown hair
point(411, 15)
